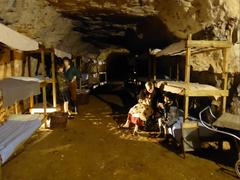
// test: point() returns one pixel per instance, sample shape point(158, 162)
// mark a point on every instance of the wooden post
point(43, 61)
point(16, 107)
point(44, 99)
point(12, 63)
point(187, 63)
point(31, 102)
point(29, 66)
point(187, 77)
point(54, 91)
point(24, 65)
point(225, 77)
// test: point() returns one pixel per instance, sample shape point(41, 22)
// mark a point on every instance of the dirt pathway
point(92, 147)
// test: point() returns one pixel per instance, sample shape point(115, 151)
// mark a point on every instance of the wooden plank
point(16, 107)
point(29, 66)
point(44, 100)
point(206, 93)
point(31, 102)
point(43, 62)
point(54, 79)
point(206, 43)
point(204, 50)
point(186, 108)
point(187, 79)
point(225, 77)
point(187, 63)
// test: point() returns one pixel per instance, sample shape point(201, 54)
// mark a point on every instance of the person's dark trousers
point(73, 93)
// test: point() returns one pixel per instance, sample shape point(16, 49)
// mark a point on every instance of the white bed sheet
point(16, 130)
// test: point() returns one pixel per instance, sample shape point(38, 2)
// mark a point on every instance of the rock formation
point(98, 23)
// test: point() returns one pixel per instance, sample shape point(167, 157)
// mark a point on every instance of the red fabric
point(135, 120)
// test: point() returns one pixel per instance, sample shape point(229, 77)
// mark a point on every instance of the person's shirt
point(156, 97)
point(71, 72)
point(62, 82)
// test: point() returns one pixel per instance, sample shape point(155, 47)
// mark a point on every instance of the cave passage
point(118, 89)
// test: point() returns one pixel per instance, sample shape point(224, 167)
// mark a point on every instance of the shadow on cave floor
point(225, 159)
point(120, 100)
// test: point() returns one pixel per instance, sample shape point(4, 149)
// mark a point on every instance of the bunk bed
point(45, 81)
point(19, 127)
point(188, 89)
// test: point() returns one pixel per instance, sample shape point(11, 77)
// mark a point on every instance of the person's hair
point(149, 84)
point(67, 59)
point(60, 66)
point(143, 95)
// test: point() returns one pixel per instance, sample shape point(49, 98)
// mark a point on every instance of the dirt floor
point(93, 147)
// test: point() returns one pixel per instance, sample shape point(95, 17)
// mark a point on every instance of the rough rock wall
point(181, 16)
point(206, 18)
point(191, 16)
point(38, 20)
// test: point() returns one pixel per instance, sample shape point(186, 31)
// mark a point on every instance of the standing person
point(63, 87)
point(72, 74)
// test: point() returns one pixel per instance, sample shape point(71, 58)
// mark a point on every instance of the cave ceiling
point(130, 24)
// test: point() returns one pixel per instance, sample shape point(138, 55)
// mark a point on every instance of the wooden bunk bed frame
point(188, 48)
point(20, 146)
point(42, 50)
point(43, 85)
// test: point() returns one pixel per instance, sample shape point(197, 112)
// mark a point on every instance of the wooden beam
point(54, 80)
point(43, 62)
point(206, 93)
point(44, 99)
point(206, 43)
point(187, 63)
point(186, 107)
point(12, 63)
point(16, 107)
point(29, 66)
point(31, 102)
point(225, 77)
point(24, 64)
point(187, 78)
